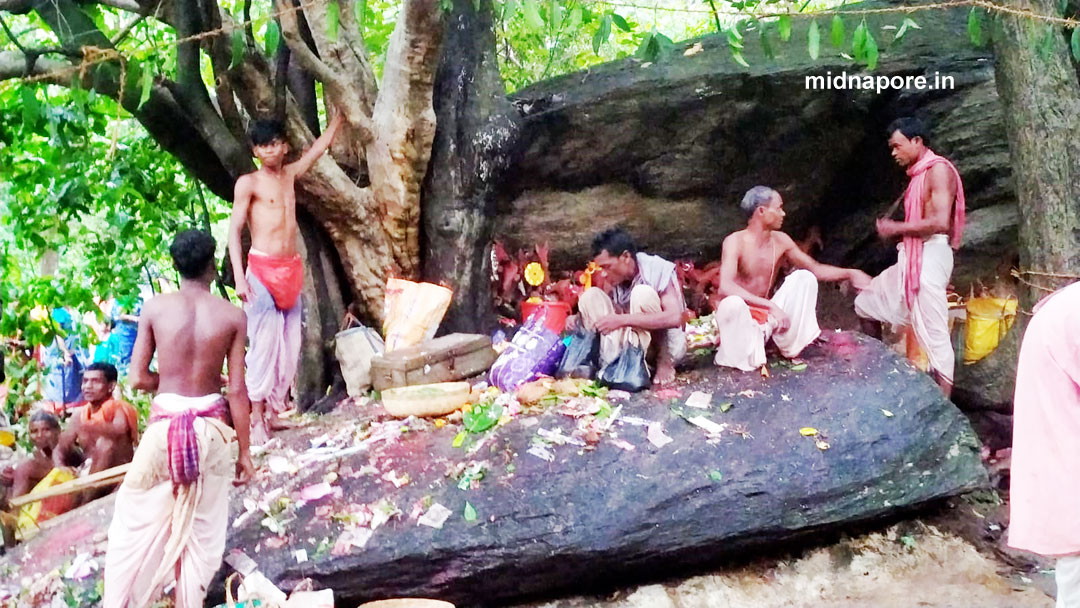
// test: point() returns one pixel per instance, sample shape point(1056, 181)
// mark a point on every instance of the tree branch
point(14, 64)
point(17, 7)
point(340, 90)
point(404, 120)
point(124, 5)
point(190, 88)
point(220, 51)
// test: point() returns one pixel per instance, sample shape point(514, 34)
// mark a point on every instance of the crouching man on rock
point(644, 308)
point(750, 260)
point(170, 518)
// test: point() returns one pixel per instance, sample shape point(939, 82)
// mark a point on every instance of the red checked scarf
point(183, 443)
point(913, 211)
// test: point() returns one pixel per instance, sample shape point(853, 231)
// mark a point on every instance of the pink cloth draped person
point(1045, 495)
point(913, 211)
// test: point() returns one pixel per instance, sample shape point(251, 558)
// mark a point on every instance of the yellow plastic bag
point(413, 312)
point(988, 320)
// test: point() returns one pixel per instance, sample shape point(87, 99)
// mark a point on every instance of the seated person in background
point(105, 429)
point(643, 307)
point(40, 473)
point(747, 317)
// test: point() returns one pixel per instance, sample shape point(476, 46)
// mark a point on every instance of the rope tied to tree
point(102, 55)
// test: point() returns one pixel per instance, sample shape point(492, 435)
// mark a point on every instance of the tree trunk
point(1041, 100)
point(476, 128)
point(324, 309)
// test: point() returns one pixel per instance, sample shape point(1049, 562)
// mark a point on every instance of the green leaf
point(734, 38)
point(904, 27)
point(620, 22)
point(798, 367)
point(333, 20)
point(871, 52)
point(974, 27)
point(459, 439)
point(360, 11)
point(737, 56)
point(238, 48)
point(574, 22)
point(272, 38)
point(31, 107)
point(725, 406)
point(509, 8)
point(603, 32)
point(766, 46)
point(813, 40)
point(470, 512)
point(147, 84)
point(555, 13)
point(858, 42)
point(715, 475)
point(1074, 43)
point(533, 20)
point(783, 24)
point(482, 417)
point(837, 35)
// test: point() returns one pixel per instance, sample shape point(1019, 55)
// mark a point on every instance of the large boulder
point(624, 510)
point(668, 148)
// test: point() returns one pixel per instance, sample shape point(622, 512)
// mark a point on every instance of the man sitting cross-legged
point(644, 307)
point(40, 472)
point(746, 316)
point(105, 429)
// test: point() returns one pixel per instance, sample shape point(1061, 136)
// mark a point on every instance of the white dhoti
point(595, 304)
point(1067, 577)
point(742, 338)
point(161, 532)
point(929, 314)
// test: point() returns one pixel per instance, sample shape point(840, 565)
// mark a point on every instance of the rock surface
point(669, 148)
point(598, 516)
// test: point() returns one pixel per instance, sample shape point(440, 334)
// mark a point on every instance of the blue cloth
point(108, 351)
point(63, 383)
point(125, 332)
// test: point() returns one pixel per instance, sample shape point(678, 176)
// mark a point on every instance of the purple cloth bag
point(535, 351)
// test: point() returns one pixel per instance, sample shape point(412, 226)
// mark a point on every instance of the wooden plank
point(100, 479)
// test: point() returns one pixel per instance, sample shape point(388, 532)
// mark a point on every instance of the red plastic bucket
point(556, 313)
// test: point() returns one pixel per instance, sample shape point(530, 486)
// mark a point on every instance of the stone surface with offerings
point(565, 485)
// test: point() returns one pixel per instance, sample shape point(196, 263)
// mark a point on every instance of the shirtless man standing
point(913, 291)
point(265, 201)
point(106, 429)
point(750, 261)
point(172, 510)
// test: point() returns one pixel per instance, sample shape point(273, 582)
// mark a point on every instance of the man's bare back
point(193, 332)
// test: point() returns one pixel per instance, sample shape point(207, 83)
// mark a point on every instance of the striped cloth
point(181, 413)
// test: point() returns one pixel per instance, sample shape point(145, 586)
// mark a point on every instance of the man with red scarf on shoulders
point(912, 292)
